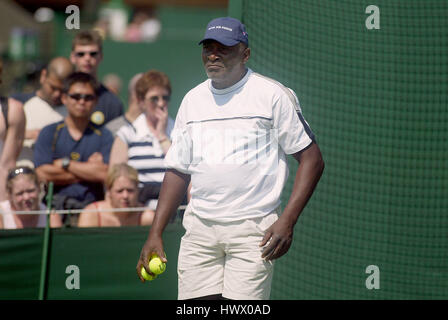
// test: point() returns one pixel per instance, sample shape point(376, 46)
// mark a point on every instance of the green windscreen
point(376, 100)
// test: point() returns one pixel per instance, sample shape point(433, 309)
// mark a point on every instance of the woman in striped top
point(143, 144)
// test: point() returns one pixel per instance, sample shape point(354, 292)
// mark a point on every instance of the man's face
point(51, 88)
point(224, 64)
point(86, 58)
point(80, 100)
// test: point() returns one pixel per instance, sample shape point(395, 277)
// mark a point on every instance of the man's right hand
point(171, 194)
point(153, 245)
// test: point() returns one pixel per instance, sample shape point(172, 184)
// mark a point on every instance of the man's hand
point(310, 169)
point(280, 233)
point(58, 163)
point(172, 192)
point(95, 157)
point(153, 245)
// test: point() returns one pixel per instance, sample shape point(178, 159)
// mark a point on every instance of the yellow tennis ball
point(146, 275)
point(156, 265)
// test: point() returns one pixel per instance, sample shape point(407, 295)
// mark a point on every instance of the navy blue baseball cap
point(228, 31)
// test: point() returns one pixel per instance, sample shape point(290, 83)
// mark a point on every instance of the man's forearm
point(55, 174)
point(172, 193)
point(311, 166)
point(3, 178)
point(89, 171)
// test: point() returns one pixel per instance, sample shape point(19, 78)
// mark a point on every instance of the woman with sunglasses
point(23, 192)
point(143, 144)
point(122, 193)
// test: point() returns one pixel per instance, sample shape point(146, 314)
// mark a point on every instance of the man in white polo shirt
point(231, 137)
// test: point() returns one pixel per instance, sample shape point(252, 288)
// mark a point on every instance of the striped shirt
point(144, 151)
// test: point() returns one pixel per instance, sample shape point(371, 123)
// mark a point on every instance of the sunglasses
point(155, 99)
point(86, 97)
point(20, 170)
point(81, 54)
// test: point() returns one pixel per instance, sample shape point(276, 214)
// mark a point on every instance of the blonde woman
point(23, 191)
point(122, 192)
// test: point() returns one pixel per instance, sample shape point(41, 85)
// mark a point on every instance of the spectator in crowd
point(74, 153)
point(144, 26)
point(23, 191)
point(23, 97)
point(133, 108)
point(87, 55)
point(12, 133)
point(122, 192)
point(46, 106)
point(144, 144)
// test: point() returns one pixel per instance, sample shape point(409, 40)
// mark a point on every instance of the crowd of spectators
point(105, 165)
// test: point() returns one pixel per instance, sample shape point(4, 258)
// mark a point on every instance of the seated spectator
point(74, 153)
point(145, 144)
point(23, 191)
point(122, 192)
point(133, 108)
point(86, 56)
point(144, 26)
point(46, 106)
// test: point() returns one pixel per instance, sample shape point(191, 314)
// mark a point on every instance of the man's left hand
point(95, 157)
point(280, 234)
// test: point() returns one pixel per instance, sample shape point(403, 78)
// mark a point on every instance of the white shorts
point(224, 258)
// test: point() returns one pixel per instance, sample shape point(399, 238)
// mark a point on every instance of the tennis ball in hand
point(146, 275)
point(156, 265)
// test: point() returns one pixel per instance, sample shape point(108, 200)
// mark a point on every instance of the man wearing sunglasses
point(86, 56)
point(74, 153)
